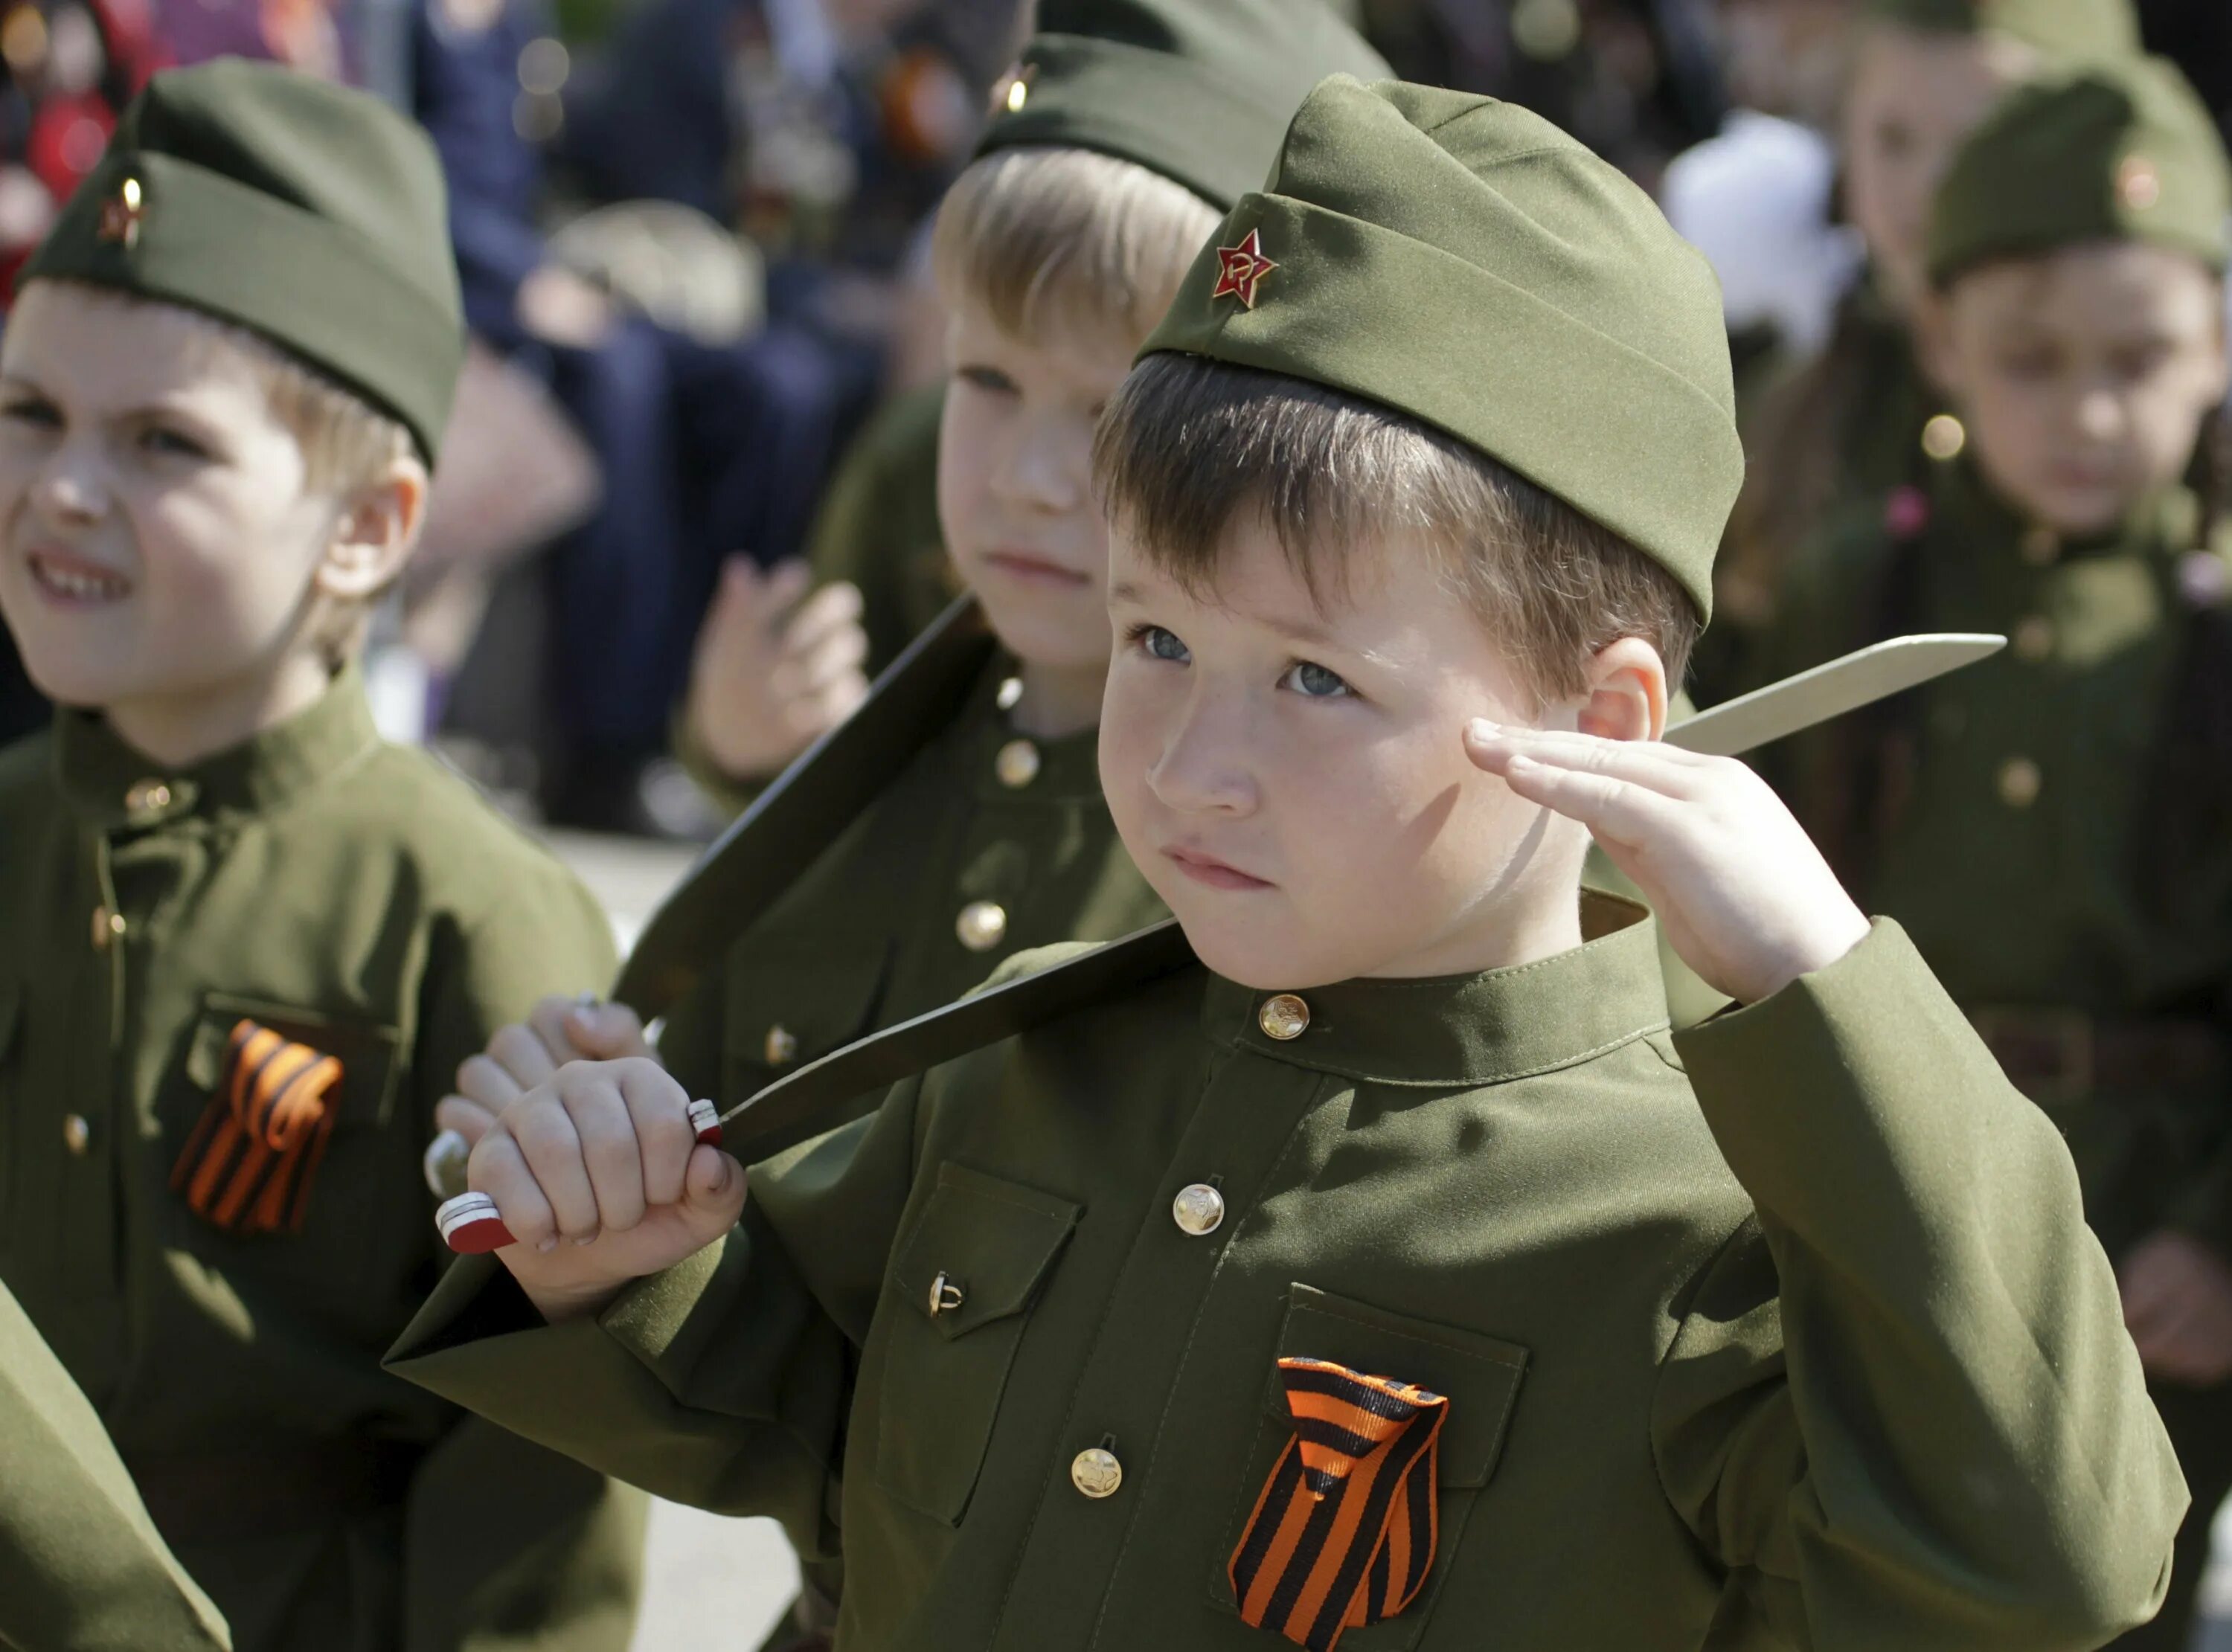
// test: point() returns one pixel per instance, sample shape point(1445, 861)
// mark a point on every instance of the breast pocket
point(965, 1280)
point(1476, 1379)
point(280, 1128)
point(788, 1005)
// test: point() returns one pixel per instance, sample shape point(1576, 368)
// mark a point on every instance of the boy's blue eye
point(1162, 644)
point(173, 444)
point(1315, 682)
point(987, 379)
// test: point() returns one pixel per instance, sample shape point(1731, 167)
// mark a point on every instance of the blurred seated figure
point(705, 446)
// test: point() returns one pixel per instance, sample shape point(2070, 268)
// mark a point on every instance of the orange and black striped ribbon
point(1344, 1529)
point(250, 1162)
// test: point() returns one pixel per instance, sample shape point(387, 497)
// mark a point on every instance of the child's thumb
point(712, 1192)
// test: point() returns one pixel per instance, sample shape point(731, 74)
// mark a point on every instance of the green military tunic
point(82, 1566)
point(1807, 1345)
point(945, 841)
point(2013, 818)
point(353, 897)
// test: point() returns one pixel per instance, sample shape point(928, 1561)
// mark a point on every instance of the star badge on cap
point(1240, 269)
point(121, 213)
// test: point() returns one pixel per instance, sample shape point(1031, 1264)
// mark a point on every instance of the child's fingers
point(552, 1022)
point(833, 611)
point(605, 1125)
point(1612, 808)
point(483, 1081)
point(832, 656)
point(658, 1113)
point(780, 591)
point(1640, 763)
point(606, 1032)
point(500, 1170)
point(543, 1127)
point(469, 1118)
point(520, 1051)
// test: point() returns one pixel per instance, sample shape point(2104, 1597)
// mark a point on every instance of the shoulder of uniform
point(453, 829)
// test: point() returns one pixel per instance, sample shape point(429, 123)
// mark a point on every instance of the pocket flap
point(1479, 1375)
point(994, 1241)
point(366, 1049)
point(786, 1006)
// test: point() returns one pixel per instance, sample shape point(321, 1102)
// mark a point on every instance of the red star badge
point(1240, 269)
point(121, 213)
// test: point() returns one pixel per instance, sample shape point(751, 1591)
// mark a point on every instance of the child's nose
point(69, 491)
point(1200, 770)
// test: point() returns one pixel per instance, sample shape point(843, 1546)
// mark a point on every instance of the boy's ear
point(375, 533)
point(1626, 696)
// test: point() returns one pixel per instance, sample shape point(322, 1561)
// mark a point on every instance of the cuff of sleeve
point(728, 793)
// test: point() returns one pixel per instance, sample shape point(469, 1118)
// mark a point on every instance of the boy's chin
point(1263, 963)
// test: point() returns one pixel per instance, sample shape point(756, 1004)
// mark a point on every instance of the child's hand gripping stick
point(470, 1226)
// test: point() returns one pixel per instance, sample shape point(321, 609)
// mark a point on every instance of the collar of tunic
point(112, 784)
point(1466, 1031)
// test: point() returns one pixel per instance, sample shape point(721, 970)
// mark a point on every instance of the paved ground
point(717, 1585)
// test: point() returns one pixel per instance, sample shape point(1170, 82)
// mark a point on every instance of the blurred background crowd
point(691, 236)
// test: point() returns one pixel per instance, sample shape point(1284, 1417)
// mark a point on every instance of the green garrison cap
point(1465, 262)
point(1199, 91)
point(313, 214)
point(2075, 28)
point(2120, 150)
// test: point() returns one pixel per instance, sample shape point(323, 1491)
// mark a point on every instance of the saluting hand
point(600, 1178)
point(1744, 896)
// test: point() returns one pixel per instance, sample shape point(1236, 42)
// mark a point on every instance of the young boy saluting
point(2050, 828)
point(248, 943)
point(1361, 1264)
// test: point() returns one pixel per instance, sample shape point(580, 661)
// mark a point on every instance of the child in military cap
point(2050, 828)
point(1359, 1260)
point(249, 942)
point(1862, 416)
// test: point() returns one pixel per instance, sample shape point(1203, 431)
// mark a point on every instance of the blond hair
point(1052, 240)
point(1188, 445)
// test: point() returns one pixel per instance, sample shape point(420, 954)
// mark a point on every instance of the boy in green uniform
point(1357, 1264)
point(1861, 416)
point(82, 1567)
point(2050, 828)
point(249, 942)
point(957, 817)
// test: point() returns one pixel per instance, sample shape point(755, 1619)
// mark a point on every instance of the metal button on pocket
point(945, 1295)
point(2020, 782)
point(781, 1045)
point(1199, 1209)
point(1283, 1017)
point(77, 1134)
point(1016, 764)
point(1096, 1473)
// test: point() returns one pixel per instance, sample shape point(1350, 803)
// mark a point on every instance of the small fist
point(526, 1054)
point(773, 674)
point(598, 1175)
point(2177, 1305)
point(1744, 896)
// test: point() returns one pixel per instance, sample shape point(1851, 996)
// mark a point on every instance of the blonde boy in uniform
point(1359, 1260)
point(248, 943)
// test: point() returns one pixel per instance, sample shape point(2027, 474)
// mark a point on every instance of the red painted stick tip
point(706, 1119)
point(469, 1225)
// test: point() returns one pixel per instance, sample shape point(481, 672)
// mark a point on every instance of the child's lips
point(74, 581)
point(1218, 874)
point(1039, 570)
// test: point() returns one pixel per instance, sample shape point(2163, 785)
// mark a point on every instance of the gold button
point(2020, 782)
point(1017, 765)
point(781, 1044)
point(1096, 1473)
point(1199, 1209)
point(1011, 691)
point(77, 1134)
point(1283, 1017)
point(2041, 547)
point(145, 797)
point(1943, 437)
point(107, 926)
point(982, 925)
point(2035, 638)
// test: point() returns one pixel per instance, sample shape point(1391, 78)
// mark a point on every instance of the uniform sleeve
point(1903, 1408)
point(723, 1383)
point(82, 1568)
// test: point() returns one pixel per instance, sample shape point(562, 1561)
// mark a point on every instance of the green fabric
point(311, 213)
point(2066, 28)
point(362, 899)
point(1461, 260)
point(1200, 91)
point(82, 1566)
point(1689, 1328)
point(2038, 904)
point(2122, 152)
